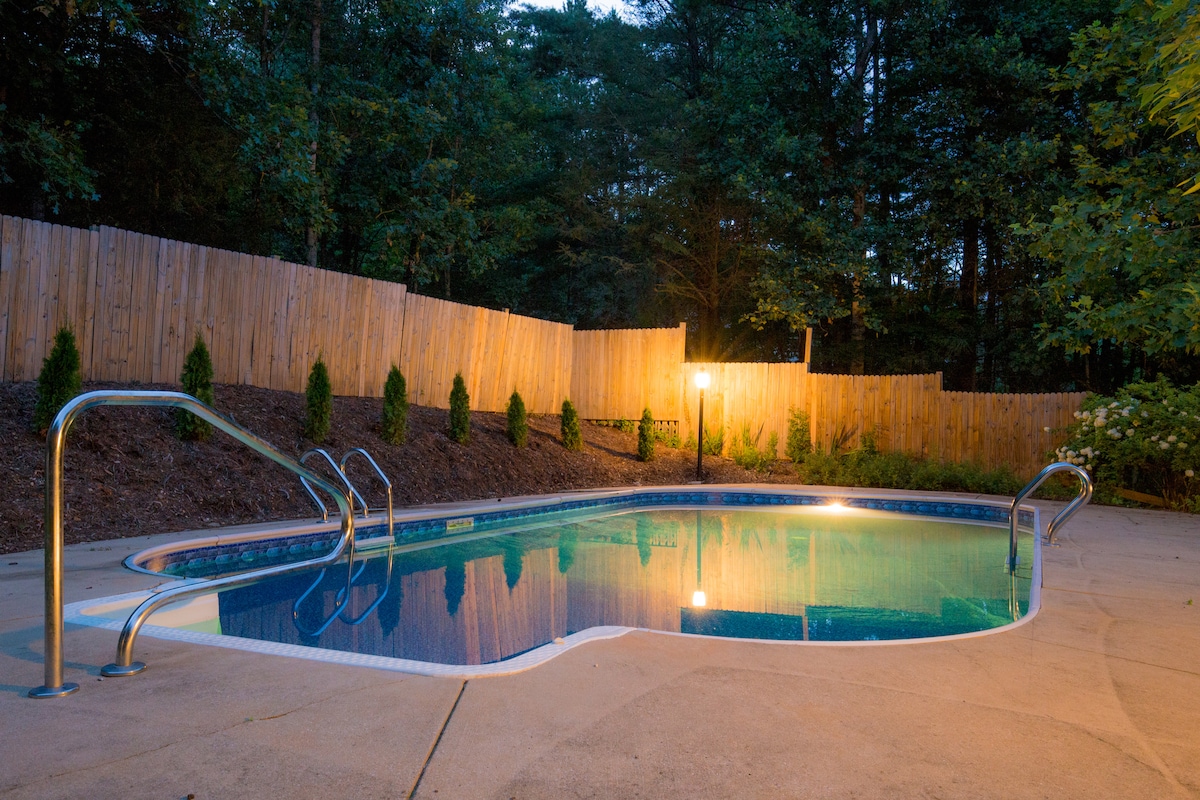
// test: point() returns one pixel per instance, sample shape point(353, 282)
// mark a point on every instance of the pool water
point(779, 574)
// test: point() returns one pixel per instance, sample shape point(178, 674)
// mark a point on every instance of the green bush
point(318, 400)
point(197, 380)
point(714, 441)
point(799, 436)
point(624, 425)
point(1143, 438)
point(460, 411)
point(395, 407)
point(645, 447)
point(518, 420)
point(667, 438)
point(572, 435)
point(745, 453)
point(59, 380)
point(903, 471)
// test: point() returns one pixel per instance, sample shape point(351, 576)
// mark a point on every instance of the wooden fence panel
point(617, 373)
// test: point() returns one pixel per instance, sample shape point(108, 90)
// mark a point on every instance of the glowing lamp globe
point(703, 379)
point(698, 599)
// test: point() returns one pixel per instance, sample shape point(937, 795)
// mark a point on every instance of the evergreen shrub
point(196, 380)
point(395, 407)
point(645, 449)
point(518, 420)
point(318, 396)
point(460, 411)
point(572, 435)
point(799, 436)
point(59, 380)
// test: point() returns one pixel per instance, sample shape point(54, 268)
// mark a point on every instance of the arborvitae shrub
point(460, 411)
point(319, 402)
point(59, 380)
point(646, 437)
point(395, 407)
point(799, 436)
point(572, 435)
point(196, 379)
point(518, 421)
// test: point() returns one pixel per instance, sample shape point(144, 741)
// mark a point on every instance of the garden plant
point(59, 380)
point(394, 424)
point(318, 397)
point(196, 380)
point(460, 411)
point(645, 447)
point(572, 435)
point(518, 421)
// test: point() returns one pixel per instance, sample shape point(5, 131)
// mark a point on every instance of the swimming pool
point(498, 590)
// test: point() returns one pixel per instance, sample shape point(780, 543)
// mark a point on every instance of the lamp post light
point(702, 380)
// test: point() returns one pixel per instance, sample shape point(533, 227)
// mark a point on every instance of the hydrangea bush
point(1143, 438)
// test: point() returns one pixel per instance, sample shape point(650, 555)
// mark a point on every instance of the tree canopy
point(1002, 192)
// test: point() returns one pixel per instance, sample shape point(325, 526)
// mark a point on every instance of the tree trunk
point(314, 121)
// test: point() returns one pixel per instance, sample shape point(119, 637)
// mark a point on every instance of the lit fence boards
point(136, 303)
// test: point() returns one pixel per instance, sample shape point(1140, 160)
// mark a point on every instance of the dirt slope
point(127, 474)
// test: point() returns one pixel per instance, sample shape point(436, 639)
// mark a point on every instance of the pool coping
point(75, 613)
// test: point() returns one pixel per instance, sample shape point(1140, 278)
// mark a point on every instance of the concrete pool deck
point(1097, 697)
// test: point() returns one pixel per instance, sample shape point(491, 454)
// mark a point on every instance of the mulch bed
point(126, 474)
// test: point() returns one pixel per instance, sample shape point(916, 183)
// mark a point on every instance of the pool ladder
point(343, 595)
point(56, 439)
point(1060, 519)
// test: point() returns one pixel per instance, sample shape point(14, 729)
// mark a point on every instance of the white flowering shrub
point(1146, 438)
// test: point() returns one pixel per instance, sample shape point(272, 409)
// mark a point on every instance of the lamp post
point(702, 380)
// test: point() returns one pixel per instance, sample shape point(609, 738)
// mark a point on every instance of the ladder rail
point(56, 439)
point(1060, 519)
point(341, 473)
point(387, 485)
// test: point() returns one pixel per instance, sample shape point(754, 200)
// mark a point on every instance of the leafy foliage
point(572, 435)
point(799, 436)
point(745, 452)
point(59, 381)
point(903, 471)
point(394, 425)
point(1142, 438)
point(645, 445)
point(518, 423)
point(318, 402)
point(196, 380)
point(460, 411)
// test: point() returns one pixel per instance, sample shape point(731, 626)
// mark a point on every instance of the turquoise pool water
point(815, 574)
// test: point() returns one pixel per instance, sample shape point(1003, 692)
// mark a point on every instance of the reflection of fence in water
point(760, 566)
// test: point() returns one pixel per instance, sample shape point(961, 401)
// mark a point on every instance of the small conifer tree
point(646, 437)
point(799, 436)
point(572, 436)
point(59, 380)
point(196, 380)
point(518, 421)
point(318, 396)
point(460, 411)
point(395, 407)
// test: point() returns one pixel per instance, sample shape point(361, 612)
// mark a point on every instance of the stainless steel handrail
point(341, 473)
point(1060, 519)
point(56, 439)
point(386, 485)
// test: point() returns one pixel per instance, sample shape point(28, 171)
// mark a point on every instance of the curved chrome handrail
point(55, 445)
point(1060, 519)
point(386, 485)
point(341, 473)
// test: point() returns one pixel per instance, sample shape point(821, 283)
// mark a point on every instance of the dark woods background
point(932, 184)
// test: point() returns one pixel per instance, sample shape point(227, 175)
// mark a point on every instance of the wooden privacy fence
point(136, 302)
point(909, 413)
